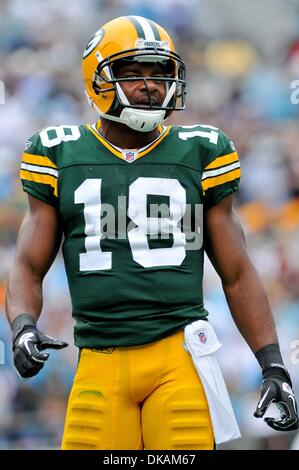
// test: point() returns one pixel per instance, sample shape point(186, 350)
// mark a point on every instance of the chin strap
point(138, 119)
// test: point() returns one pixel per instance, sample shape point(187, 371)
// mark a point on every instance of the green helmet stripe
point(155, 30)
point(137, 25)
point(146, 29)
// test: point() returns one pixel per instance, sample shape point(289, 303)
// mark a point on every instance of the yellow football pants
point(144, 397)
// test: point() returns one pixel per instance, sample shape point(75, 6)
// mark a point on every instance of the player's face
point(136, 90)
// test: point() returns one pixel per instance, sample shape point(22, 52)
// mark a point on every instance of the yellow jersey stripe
point(37, 160)
point(224, 160)
point(119, 154)
point(217, 180)
point(104, 142)
point(40, 178)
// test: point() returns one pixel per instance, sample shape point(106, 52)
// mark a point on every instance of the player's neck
point(124, 137)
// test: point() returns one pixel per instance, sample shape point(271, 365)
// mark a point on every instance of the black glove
point(276, 388)
point(28, 342)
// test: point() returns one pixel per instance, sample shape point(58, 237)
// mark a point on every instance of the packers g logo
point(95, 40)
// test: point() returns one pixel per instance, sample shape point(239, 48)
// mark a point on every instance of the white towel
point(202, 343)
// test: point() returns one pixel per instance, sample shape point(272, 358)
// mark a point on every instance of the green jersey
point(132, 241)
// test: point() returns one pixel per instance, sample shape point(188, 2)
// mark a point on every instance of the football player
point(134, 291)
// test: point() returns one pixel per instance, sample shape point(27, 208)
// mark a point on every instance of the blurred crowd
point(242, 58)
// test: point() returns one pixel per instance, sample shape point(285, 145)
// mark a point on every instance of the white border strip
point(220, 171)
point(39, 169)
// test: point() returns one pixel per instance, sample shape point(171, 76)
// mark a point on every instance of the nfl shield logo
point(202, 337)
point(130, 156)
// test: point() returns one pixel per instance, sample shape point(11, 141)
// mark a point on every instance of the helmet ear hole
point(114, 105)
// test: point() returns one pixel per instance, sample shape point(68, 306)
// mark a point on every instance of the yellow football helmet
point(132, 38)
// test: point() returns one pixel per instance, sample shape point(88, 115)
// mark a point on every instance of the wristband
point(269, 356)
point(20, 322)
point(271, 362)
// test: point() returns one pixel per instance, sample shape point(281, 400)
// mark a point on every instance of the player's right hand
point(277, 388)
point(27, 348)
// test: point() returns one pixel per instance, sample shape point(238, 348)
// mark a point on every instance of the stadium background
point(241, 60)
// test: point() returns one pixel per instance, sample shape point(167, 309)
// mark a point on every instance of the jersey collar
point(129, 155)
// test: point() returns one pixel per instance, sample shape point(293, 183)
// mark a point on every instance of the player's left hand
point(28, 348)
point(277, 388)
